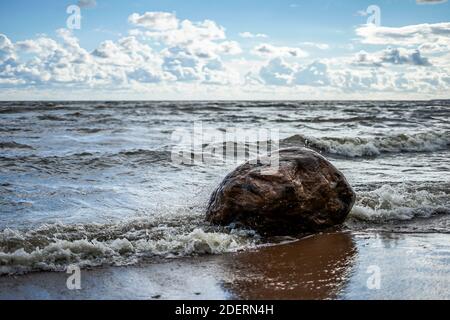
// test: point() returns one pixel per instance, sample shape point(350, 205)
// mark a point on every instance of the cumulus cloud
point(188, 52)
point(155, 20)
point(383, 80)
point(204, 39)
point(314, 74)
point(394, 56)
point(49, 61)
point(268, 50)
point(165, 52)
point(250, 35)
point(406, 78)
point(52, 62)
point(401, 56)
point(6, 48)
point(276, 72)
point(8, 61)
point(348, 77)
point(279, 72)
point(193, 50)
point(364, 59)
point(186, 33)
point(428, 37)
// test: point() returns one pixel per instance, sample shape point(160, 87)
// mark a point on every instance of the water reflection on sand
point(316, 267)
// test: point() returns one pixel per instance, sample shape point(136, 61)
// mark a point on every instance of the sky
point(224, 49)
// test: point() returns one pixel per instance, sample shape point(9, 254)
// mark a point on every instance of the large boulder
point(306, 194)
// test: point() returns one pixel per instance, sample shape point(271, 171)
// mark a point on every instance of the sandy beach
point(324, 266)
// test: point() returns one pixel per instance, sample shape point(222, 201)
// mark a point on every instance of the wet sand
point(324, 266)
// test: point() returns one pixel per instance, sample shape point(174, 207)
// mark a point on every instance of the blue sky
point(254, 49)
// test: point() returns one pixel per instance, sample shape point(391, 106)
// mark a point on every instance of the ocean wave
point(86, 160)
point(55, 247)
point(354, 147)
point(390, 203)
point(351, 147)
point(50, 117)
point(14, 145)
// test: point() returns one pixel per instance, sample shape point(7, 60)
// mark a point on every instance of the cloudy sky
point(224, 49)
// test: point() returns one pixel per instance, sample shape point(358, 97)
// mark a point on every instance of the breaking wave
point(55, 247)
point(390, 203)
point(371, 147)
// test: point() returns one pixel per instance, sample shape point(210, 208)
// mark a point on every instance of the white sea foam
point(50, 254)
point(388, 203)
point(54, 247)
point(369, 147)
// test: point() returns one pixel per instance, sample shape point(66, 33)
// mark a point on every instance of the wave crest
point(388, 203)
point(370, 147)
point(45, 249)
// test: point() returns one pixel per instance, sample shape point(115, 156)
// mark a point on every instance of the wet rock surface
point(306, 194)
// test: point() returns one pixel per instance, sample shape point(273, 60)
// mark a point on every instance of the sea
point(95, 183)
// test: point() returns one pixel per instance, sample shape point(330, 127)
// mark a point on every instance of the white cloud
point(49, 62)
point(406, 79)
point(155, 20)
point(188, 52)
point(250, 35)
point(364, 59)
point(393, 56)
point(41, 46)
point(183, 66)
point(402, 56)
point(268, 50)
point(346, 76)
point(428, 37)
point(7, 51)
point(229, 48)
point(279, 72)
point(204, 39)
point(188, 33)
point(169, 57)
point(314, 74)
point(192, 48)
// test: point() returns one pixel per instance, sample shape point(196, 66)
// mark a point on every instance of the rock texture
point(306, 194)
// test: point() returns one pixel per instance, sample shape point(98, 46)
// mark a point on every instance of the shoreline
point(337, 265)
